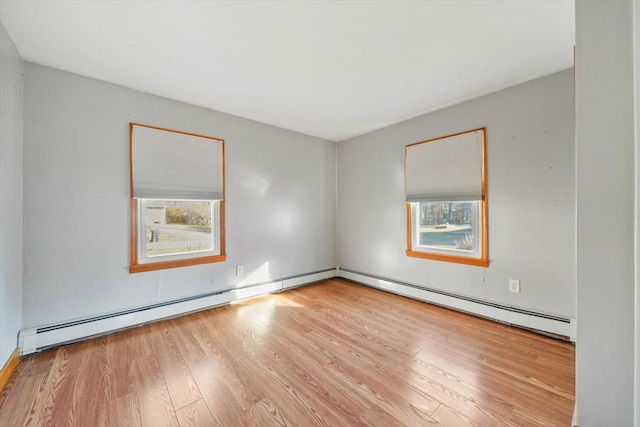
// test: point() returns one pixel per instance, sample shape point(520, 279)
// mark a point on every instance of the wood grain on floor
point(333, 353)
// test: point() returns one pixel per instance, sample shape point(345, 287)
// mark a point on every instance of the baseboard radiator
point(560, 327)
point(36, 339)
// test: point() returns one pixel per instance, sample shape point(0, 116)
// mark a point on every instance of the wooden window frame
point(483, 260)
point(135, 266)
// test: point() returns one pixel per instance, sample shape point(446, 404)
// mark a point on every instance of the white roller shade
point(446, 169)
point(170, 165)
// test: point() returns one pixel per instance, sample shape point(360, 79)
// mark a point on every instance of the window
point(177, 229)
point(177, 199)
point(447, 199)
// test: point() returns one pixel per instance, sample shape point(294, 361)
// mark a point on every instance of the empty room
point(320, 213)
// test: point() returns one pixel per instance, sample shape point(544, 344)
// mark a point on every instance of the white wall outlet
point(239, 270)
point(514, 286)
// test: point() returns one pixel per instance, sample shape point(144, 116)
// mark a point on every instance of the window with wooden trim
point(446, 194)
point(177, 198)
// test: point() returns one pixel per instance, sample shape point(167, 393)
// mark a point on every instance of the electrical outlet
point(514, 286)
point(239, 270)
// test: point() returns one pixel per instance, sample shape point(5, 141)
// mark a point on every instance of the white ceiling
point(328, 69)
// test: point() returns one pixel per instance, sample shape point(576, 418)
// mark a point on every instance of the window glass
point(447, 225)
point(178, 227)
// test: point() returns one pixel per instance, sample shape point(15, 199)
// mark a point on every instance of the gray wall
point(636, 26)
point(280, 199)
point(605, 219)
point(531, 188)
point(10, 195)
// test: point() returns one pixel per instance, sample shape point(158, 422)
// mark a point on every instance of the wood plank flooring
point(329, 354)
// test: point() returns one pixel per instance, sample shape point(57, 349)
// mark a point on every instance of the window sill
point(163, 265)
point(449, 258)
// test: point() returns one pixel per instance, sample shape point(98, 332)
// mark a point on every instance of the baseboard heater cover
point(542, 322)
point(31, 340)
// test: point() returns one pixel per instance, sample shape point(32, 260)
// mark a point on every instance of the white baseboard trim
point(40, 338)
point(556, 325)
point(296, 281)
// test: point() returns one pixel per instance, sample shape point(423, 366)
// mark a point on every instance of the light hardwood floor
point(332, 353)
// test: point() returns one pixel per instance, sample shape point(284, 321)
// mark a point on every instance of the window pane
point(447, 225)
point(178, 227)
